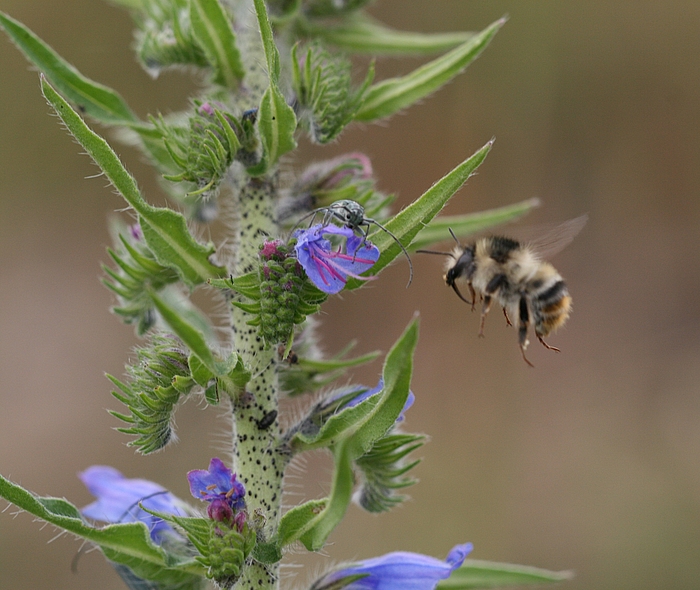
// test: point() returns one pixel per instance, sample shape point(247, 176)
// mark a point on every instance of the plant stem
point(257, 462)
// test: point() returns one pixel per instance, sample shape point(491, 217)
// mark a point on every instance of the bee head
point(463, 265)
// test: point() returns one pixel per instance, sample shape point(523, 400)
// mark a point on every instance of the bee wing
point(555, 239)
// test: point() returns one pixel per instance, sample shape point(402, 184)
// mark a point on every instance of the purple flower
point(398, 571)
point(364, 394)
point(218, 486)
point(329, 269)
point(118, 500)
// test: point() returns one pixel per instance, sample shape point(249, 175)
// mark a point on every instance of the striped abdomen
point(550, 300)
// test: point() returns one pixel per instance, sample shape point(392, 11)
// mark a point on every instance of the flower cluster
point(218, 486)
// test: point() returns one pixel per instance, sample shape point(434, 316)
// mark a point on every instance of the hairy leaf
point(363, 34)
point(409, 222)
point(92, 98)
point(490, 574)
point(463, 226)
point(165, 230)
point(129, 544)
point(212, 29)
point(391, 96)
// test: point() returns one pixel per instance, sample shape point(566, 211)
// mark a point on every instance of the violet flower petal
point(118, 499)
point(329, 269)
point(400, 571)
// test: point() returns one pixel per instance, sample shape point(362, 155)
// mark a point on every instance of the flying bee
point(352, 215)
point(516, 275)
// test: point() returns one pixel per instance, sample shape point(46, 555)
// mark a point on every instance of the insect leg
point(523, 325)
point(494, 284)
point(405, 252)
point(484, 311)
point(311, 214)
point(473, 294)
point(547, 346)
point(505, 313)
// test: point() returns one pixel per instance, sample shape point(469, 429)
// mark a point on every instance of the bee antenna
point(405, 252)
point(454, 236)
point(436, 252)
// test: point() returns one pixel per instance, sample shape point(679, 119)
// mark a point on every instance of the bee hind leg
point(505, 313)
point(484, 312)
point(547, 346)
point(523, 325)
point(494, 284)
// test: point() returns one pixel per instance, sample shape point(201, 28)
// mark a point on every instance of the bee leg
point(494, 284)
point(523, 325)
point(547, 346)
point(473, 294)
point(484, 311)
point(505, 313)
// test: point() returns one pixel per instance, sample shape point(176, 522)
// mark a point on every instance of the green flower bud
point(154, 386)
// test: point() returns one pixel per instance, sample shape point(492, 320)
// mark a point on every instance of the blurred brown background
point(590, 462)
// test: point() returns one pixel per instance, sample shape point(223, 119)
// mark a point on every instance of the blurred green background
point(589, 462)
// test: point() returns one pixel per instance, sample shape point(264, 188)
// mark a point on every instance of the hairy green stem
point(256, 430)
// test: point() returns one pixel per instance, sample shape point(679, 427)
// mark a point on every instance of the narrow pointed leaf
point(490, 574)
point(132, 4)
point(276, 119)
point(276, 124)
point(397, 371)
point(363, 34)
point(190, 336)
point(369, 420)
point(409, 222)
point(391, 96)
point(129, 544)
point(272, 56)
point(463, 226)
point(94, 99)
point(311, 523)
point(213, 31)
point(165, 230)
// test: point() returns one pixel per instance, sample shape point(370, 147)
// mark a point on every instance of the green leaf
point(369, 420)
point(132, 4)
point(363, 34)
point(276, 124)
point(463, 226)
point(200, 373)
point(384, 471)
point(272, 56)
point(490, 574)
point(409, 222)
point(267, 552)
point(129, 544)
point(165, 230)
point(190, 336)
point(92, 98)
point(213, 31)
point(398, 368)
point(391, 96)
point(307, 375)
point(276, 119)
point(311, 523)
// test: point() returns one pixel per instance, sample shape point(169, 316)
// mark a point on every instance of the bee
point(516, 275)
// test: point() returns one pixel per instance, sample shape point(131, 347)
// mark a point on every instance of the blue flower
point(327, 268)
point(218, 486)
point(398, 571)
point(118, 500)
